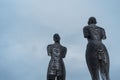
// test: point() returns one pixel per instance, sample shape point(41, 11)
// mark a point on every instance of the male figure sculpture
point(56, 69)
point(96, 53)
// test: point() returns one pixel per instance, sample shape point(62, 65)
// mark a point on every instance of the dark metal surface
point(96, 53)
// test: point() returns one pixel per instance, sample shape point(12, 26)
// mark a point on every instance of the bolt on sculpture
point(96, 53)
point(56, 69)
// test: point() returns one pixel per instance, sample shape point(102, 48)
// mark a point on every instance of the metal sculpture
point(96, 53)
point(56, 69)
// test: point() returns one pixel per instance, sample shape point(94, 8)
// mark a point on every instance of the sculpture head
point(56, 38)
point(92, 20)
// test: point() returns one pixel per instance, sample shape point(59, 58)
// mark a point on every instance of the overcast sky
point(27, 27)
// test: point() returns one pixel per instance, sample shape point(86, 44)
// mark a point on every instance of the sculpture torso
point(94, 34)
point(56, 65)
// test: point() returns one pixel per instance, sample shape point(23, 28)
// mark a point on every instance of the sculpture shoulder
point(64, 48)
point(50, 46)
point(86, 27)
point(100, 28)
point(89, 27)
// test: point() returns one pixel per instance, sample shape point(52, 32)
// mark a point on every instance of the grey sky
point(27, 27)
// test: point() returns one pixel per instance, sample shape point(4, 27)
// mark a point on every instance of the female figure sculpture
point(96, 53)
point(56, 69)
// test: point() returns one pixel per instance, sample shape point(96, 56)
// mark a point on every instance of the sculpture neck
point(57, 42)
point(92, 25)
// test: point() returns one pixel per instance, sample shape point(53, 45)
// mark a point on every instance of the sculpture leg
point(93, 71)
point(50, 77)
point(94, 74)
point(104, 70)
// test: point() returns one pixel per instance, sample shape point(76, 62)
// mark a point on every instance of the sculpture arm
point(103, 34)
point(49, 50)
point(85, 32)
point(64, 52)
